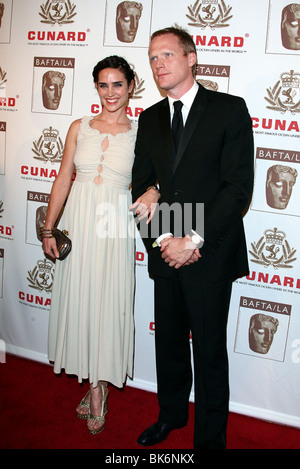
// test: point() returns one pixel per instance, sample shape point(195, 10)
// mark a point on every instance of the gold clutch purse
point(64, 244)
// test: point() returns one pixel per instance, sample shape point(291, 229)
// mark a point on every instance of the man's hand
point(194, 257)
point(145, 205)
point(179, 251)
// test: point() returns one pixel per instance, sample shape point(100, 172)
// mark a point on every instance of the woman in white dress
point(91, 330)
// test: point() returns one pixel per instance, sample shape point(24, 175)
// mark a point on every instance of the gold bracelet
point(46, 233)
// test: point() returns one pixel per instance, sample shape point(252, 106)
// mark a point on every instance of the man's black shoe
point(156, 433)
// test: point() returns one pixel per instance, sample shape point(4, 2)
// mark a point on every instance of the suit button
point(177, 192)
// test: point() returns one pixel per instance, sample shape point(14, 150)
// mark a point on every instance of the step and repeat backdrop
point(246, 48)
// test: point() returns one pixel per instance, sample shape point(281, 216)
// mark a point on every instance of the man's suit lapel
point(196, 113)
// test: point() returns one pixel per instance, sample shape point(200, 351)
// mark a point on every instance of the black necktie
point(177, 124)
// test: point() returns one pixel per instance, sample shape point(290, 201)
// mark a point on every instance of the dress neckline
point(107, 133)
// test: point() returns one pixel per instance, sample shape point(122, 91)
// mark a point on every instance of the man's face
point(261, 335)
point(172, 69)
point(279, 189)
point(127, 22)
point(52, 91)
point(290, 29)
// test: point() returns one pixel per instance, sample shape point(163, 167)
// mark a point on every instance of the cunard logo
point(273, 249)
point(49, 147)
point(209, 13)
point(285, 94)
point(41, 277)
point(57, 12)
point(5, 101)
point(5, 230)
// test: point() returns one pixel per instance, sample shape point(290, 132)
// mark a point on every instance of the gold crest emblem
point(285, 94)
point(41, 277)
point(49, 147)
point(57, 12)
point(273, 249)
point(209, 13)
point(3, 80)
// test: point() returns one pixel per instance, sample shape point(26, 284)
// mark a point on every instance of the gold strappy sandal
point(83, 403)
point(100, 418)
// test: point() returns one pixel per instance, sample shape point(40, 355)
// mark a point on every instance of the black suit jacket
point(213, 166)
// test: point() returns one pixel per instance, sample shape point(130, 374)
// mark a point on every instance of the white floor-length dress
point(91, 328)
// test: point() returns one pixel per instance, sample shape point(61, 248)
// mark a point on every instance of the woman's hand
point(50, 247)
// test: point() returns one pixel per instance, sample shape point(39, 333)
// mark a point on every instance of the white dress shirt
point(187, 100)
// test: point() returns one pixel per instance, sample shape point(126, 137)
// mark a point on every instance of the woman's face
point(113, 89)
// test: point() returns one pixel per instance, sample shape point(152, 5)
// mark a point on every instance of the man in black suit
point(193, 269)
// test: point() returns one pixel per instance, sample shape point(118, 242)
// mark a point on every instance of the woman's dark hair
point(117, 62)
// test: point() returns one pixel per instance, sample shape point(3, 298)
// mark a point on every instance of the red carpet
point(37, 410)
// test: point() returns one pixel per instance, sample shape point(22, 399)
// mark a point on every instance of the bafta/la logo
point(273, 249)
point(49, 147)
point(41, 277)
point(209, 13)
point(1, 208)
point(57, 12)
point(285, 94)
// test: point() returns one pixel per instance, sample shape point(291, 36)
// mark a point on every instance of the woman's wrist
point(46, 232)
